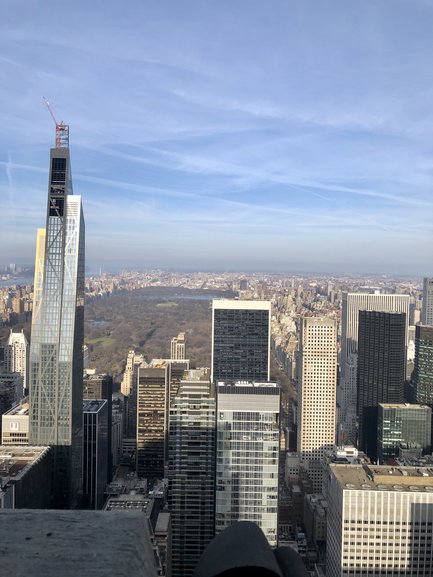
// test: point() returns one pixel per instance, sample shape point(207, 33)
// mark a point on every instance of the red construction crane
point(62, 130)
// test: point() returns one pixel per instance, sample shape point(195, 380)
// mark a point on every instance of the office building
point(15, 424)
point(423, 365)
point(151, 419)
point(191, 470)
point(316, 394)
point(98, 387)
point(381, 370)
point(380, 521)
point(247, 455)
point(157, 384)
point(16, 356)
point(10, 391)
point(177, 347)
point(346, 392)
point(427, 301)
point(56, 358)
point(402, 424)
point(25, 477)
point(241, 332)
point(95, 452)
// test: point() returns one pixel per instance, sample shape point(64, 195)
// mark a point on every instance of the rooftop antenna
point(62, 130)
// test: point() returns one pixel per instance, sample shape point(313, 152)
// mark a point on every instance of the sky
point(250, 135)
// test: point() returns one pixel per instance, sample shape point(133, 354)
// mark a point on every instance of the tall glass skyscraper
point(56, 359)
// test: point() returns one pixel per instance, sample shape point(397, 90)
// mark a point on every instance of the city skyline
point(225, 137)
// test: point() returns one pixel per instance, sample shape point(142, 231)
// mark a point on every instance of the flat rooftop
point(21, 409)
point(130, 502)
point(16, 461)
point(93, 406)
point(403, 406)
point(384, 478)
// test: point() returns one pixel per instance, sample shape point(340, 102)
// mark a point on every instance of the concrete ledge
point(46, 543)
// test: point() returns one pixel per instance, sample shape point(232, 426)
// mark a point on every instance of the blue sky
point(232, 135)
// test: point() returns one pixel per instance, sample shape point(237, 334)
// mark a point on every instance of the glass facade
point(240, 343)
point(247, 453)
point(402, 424)
point(95, 451)
point(191, 474)
point(423, 368)
point(381, 370)
point(56, 359)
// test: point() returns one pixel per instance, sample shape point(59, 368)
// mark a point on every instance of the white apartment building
point(352, 304)
point(247, 456)
point(16, 356)
point(317, 394)
point(380, 521)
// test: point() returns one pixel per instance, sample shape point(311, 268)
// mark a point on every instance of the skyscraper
point(157, 385)
point(151, 421)
point(56, 360)
point(316, 394)
point(191, 471)
point(427, 301)
point(346, 392)
point(423, 366)
point(381, 370)
point(95, 451)
point(16, 356)
point(247, 455)
point(241, 332)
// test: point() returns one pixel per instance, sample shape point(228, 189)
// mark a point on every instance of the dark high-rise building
point(191, 470)
point(56, 358)
point(423, 368)
point(95, 451)
point(381, 370)
point(398, 424)
point(240, 340)
point(98, 387)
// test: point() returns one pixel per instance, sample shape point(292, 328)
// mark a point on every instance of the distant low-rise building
point(15, 425)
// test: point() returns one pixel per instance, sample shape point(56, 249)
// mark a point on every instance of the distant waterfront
point(20, 280)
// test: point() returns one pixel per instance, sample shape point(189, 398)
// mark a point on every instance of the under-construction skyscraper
point(56, 359)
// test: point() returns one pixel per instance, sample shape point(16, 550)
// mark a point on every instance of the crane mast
point(62, 130)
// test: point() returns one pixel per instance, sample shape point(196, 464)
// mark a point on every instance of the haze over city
point(225, 135)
